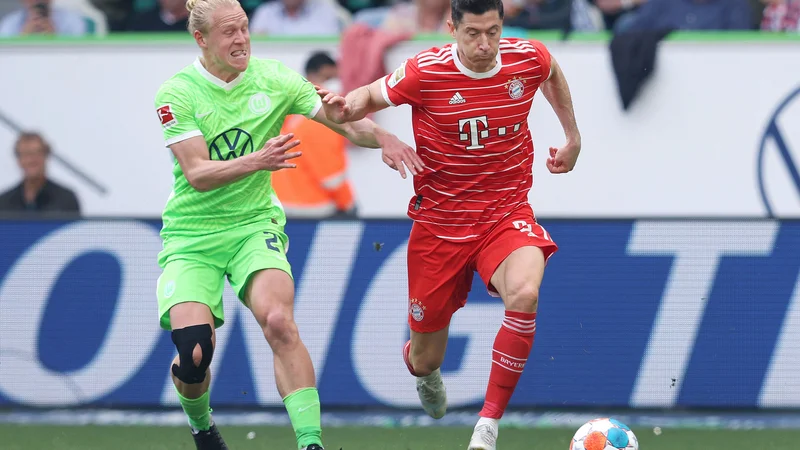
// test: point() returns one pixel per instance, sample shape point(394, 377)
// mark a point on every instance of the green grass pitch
point(45, 437)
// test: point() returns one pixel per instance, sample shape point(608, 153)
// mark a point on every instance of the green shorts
point(194, 268)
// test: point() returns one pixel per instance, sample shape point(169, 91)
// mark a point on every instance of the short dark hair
point(477, 7)
point(31, 135)
point(317, 61)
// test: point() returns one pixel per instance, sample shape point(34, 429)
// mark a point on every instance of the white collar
point(213, 79)
point(478, 75)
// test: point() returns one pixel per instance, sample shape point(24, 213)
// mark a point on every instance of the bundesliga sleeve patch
point(166, 116)
point(398, 75)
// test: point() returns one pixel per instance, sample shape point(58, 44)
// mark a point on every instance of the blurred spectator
point(296, 18)
point(537, 14)
point(36, 193)
point(690, 15)
point(318, 187)
point(586, 17)
point(614, 9)
point(355, 6)
point(781, 15)
point(564, 15)
point(418, 16)
point(364, 44)
point(40, 17)
point(169, 15)
point(118, 12)
point(362, 49)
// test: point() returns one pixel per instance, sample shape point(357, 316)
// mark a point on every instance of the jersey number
point(474, 129)
point(524, 227)
point(272, 240)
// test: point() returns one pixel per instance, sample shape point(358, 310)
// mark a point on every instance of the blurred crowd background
point(331, 17)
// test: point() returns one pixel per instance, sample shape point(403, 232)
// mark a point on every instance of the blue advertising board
point(633, 313)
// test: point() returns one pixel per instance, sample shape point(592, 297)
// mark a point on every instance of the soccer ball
point(604, 434)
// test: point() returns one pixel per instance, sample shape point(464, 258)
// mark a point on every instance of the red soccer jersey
point(471, 130)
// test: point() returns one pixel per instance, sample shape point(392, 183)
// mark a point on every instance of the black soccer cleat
point(209, 439)
point(314, 447)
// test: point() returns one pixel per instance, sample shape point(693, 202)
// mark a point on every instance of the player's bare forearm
point(366, 133)
point(556, 91)
point(208, 175)
point(362, 132)
point(204, 174)
point(365, 100)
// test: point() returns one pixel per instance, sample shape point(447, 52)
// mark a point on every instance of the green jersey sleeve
point(304, 95)
point(175, 112)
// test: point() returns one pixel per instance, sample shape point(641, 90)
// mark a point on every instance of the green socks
point(197, 410)
point(303, 409)
point(302, 406)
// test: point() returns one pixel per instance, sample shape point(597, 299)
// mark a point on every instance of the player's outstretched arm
point(356, 105)
point(556, 91)
point(203, 174)
point(366, 133)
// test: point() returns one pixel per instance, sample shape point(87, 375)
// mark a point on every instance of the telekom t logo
point(472, 131)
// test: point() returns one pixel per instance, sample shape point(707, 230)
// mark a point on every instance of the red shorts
point(440, 272)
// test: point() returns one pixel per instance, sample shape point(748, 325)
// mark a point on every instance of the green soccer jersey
point(235, 119)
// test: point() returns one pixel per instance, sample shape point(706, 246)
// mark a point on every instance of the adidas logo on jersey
point(457, 99)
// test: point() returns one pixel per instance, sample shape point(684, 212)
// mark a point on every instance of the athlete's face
point(228, 39)
point(478, 37)
point(32, 158)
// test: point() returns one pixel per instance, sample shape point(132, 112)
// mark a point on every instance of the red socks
point(509, 354)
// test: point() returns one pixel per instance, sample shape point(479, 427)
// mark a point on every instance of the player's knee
point(280, 328)
point(523, 297)
point(195, 350)
point(197, 356)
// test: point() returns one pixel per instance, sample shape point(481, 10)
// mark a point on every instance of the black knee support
point(185, 340)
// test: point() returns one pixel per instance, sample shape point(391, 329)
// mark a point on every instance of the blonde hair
point(200, 12)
